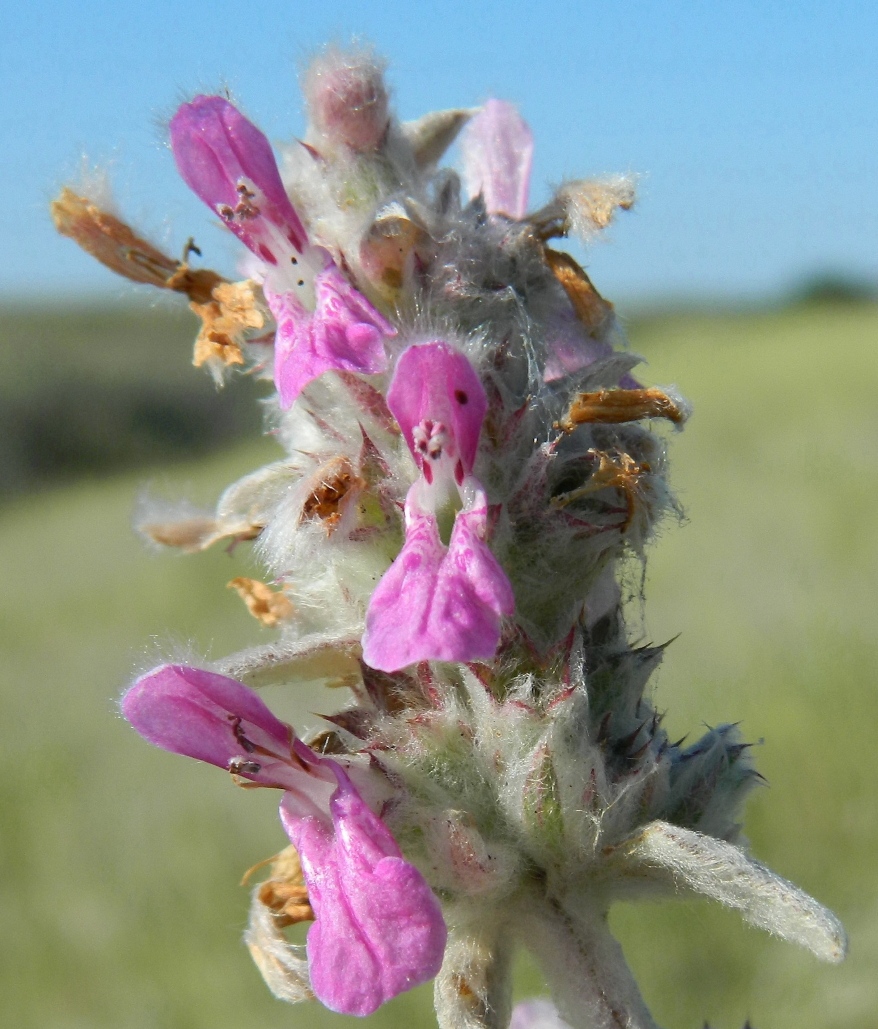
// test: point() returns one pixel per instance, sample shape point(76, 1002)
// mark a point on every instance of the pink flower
point(323, 322)
point(438, 603)
point(378, 928)
point(497, 156)
point(345, 332)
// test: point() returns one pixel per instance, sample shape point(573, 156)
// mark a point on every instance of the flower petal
point(212, 718)
point(398, 630)
point(344, 332)
point(229, 163)
point(434, 604)
point(436, 382)
point(569, 347)
point(475, 565)
point(215, 148)
point(379, 929)
point(497, 155)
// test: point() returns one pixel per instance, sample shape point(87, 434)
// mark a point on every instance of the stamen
point(245, 208)
point(247, 745)
point(430, 439)
point(240, 766)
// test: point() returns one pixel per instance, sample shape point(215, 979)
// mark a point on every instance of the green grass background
point(119, 864)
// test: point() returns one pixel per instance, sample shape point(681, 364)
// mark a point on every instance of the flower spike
point(324, 324)
point(469, 796)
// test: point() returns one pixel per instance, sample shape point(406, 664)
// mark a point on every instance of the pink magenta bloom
point(378, 927)
point(438, 603)
point(345, 332)
point(323, 322)
point(497, 156)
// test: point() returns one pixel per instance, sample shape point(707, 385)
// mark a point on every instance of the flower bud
point(347, 99)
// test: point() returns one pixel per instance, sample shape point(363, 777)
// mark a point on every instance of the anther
point(240, 766)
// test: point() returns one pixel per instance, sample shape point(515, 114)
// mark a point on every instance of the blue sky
point(753, 123)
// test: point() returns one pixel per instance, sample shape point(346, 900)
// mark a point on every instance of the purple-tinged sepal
point(497, 156)
point(347, 99)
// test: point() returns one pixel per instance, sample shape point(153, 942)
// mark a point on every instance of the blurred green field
point(119, 864)
point(88, 390)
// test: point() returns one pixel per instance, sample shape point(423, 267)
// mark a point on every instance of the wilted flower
point(467, 460)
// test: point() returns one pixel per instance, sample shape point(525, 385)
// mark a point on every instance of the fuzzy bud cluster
point(347, 100)
point(467, 461)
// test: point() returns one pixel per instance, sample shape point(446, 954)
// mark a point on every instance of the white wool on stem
point(473, 987)
point(591, 983)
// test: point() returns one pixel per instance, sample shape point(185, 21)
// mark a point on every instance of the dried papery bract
point(233, 310)
point(467, 467)
point(591, 309)
point(623, 405)
point(270, 607)
point(229, 311)
point(585, 208)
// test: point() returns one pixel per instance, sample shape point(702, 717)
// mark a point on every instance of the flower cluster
point(468, 459)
